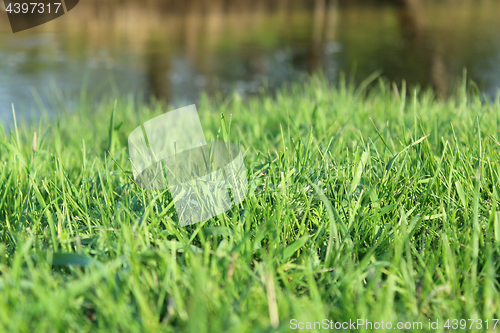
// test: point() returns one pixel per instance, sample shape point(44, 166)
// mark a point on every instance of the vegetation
point(374, 204)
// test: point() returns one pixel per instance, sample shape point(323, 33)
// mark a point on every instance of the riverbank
point(374, 205)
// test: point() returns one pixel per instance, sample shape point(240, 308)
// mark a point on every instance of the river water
point(114, 48)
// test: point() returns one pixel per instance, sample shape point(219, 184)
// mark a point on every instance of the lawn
point(371, 202)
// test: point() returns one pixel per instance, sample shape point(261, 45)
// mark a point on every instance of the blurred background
point(175, 49)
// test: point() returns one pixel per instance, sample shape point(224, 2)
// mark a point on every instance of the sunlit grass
point(378, 205)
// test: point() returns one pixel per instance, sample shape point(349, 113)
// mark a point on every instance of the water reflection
point(174, 50)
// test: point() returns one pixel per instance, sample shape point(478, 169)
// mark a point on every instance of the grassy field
point(376, 204)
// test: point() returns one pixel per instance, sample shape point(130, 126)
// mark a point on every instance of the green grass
point(376, 204)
